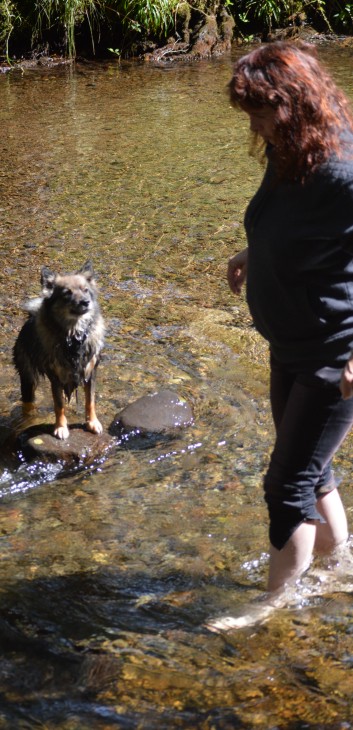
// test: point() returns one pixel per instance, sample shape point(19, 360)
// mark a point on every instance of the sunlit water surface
point(108, 575)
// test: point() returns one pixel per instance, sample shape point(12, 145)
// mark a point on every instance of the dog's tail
point(26, 358)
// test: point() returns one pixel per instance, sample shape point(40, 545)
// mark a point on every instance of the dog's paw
point(94, 426)
point(61, 432)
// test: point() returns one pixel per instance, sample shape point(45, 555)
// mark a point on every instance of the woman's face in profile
point(262, 121)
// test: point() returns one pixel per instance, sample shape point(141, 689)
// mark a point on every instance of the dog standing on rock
point(62, 339)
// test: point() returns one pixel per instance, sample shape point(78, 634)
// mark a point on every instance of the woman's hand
point(346, 384)
point(236, 273)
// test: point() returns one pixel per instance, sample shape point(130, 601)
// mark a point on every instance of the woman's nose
point(255, 126)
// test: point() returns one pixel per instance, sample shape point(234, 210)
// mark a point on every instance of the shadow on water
point(109, 572)
point(71, 641)
point(115, 648)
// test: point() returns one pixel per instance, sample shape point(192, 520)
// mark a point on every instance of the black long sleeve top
point(300, 267)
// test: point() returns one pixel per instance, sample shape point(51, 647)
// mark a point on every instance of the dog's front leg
point(61, 430)
point(92, 423)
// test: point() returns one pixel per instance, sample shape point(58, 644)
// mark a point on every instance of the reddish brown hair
point(311, 111)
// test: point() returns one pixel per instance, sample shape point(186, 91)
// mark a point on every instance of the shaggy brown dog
point(62, 339)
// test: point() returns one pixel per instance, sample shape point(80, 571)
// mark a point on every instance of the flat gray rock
point(157, 413)
point(82, 447)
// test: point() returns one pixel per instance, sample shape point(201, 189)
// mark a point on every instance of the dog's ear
point(87, 270)
point(47, 280)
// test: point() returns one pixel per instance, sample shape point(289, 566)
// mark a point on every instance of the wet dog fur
point(62, 339)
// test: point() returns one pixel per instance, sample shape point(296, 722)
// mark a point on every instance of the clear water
point(108, 575)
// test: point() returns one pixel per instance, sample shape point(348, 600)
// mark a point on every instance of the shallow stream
point(108, 575)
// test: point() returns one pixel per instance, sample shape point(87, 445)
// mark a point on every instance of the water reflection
point(108, 575)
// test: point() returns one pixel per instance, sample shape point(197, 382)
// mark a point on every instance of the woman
point(299, 272)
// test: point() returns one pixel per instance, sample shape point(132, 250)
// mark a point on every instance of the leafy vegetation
point(63, 25)
point(271, 14)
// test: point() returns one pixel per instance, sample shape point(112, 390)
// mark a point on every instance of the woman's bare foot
point(256, 615)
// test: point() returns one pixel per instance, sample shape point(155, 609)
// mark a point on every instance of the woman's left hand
point(346, 384)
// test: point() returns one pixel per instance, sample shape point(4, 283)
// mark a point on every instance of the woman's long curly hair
point(311, 113)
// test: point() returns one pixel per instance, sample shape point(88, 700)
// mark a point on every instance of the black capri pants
point(311, 420)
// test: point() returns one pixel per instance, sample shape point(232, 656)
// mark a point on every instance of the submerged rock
point(81, 448)
point(160, 412)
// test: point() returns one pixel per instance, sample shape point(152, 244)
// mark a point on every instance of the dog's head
point(70, 296)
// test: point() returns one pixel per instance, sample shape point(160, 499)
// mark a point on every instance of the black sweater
point(300, 267)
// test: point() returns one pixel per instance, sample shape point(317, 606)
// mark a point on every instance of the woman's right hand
point(236, 273)
point(346, 384)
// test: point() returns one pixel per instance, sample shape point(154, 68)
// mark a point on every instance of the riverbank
point(165, 31)
point(174, 52)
